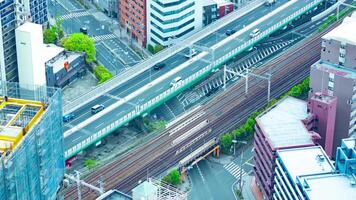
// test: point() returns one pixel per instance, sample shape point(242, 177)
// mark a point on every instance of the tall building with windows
point(335, 74)
point(169, 21)
point(132, 16)
point(14, 13)
point(31, 142)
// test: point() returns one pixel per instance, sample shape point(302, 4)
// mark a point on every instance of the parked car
point(84, 30)
point(68, 117)
point(192, 52)
point(255, 33)
point(158, 66)
point(269, 2)
point(97, 108)
point(230, 32)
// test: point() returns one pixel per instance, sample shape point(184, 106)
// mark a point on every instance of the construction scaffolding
point(31, 142)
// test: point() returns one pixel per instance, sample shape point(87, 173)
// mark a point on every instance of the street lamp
point(234, 141)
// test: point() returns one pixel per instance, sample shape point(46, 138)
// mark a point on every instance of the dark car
point(68, 117)
point(158, 66)
point(230, 32)
point(84, 30)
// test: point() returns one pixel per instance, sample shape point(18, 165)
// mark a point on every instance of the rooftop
point(17, 116)
point(50, 51)
point(345, 32)
point(335, 69)
point(282, 124)
point(314, 159)
point(329, 186)
point(322, 97)
point(62, 57)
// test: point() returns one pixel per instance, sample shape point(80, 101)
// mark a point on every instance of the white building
point(29, 48)
point(169, 21)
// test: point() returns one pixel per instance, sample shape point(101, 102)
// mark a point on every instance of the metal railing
point(164, 54)
point(180, 86)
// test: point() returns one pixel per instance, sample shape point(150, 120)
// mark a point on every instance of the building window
point(330, 88)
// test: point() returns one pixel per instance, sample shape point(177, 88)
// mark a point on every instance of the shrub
point(102, 74)
point(172, 177)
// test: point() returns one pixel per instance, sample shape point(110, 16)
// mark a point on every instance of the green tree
point(296, 91)
point(82, 43)
point(158, 48)
point(49, 36)
point(90, 163)
point(172, 177)
point(226, 142)
point(305, 85)
point(151, 48)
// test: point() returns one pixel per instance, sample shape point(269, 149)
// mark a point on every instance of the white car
point(255, 33)
point(192, 52)
point(176, 80)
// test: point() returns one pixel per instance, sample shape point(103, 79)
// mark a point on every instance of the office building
point(280, 127)
point(209, 12)
point(335, 74)
point(37, 10)
point(132, 16)
point(31, 142)
point(215, 9)
point(321, 119)
point(8, 64)
point(14, 13)
point(169, 22)
point(294, 162)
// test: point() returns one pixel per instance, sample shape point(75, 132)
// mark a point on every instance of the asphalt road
point(121, 91)
point(76, 17)
point(213, 179)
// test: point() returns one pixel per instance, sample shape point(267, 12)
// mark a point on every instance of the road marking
point(234, 170)
point(99, 125)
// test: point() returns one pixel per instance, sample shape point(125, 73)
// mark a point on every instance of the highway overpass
point(149, 89)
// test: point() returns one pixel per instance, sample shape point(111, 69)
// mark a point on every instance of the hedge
point(102, 74)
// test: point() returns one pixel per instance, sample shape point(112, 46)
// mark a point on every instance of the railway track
point(158, 155)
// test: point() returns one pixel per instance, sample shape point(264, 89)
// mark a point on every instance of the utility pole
point(81, 183)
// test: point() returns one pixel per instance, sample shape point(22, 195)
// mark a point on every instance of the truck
point(270, 2)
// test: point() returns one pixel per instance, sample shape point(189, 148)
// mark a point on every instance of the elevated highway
point(140, 95)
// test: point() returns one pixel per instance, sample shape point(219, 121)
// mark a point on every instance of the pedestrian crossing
point(234, 170)
point(74, 15)
point(103, 37)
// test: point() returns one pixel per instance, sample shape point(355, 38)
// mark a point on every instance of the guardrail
point(158, 100)
point(159, 57)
